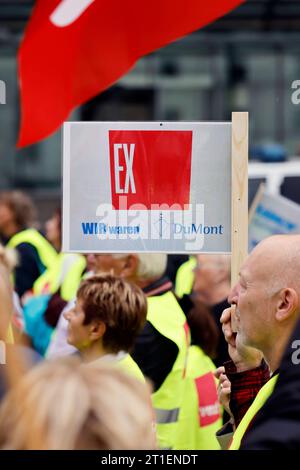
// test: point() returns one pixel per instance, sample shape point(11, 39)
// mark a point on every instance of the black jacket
point(154, 353)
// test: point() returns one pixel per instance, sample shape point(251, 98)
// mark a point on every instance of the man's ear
point(130, 266)
point(287, 305)
point(97, 330)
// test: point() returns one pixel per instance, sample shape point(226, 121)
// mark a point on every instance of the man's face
point(105, 264)
point(255, 306)
point(78, 334)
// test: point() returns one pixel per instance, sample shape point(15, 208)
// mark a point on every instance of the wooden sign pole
point(239, 195)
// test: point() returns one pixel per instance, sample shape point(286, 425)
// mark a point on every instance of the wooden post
point(239, 199)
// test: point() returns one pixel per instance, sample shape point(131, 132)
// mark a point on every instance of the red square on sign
point(150, 167)
point(208, 403)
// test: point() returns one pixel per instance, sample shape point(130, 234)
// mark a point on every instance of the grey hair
point(151, 265)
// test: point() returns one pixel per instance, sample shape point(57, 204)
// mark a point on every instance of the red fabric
point(244, 387)
point(62, 66)
point(161, 157)
point(208, 403)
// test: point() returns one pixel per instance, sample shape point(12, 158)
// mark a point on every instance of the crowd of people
point(108, 347)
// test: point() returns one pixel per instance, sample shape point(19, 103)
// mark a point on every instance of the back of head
point(21, 206)
point(277, 261)
point(62, 405)
point(120, 305)
point(151, 265)
point(215, 263)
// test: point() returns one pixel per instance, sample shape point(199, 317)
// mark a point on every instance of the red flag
point(74, 49)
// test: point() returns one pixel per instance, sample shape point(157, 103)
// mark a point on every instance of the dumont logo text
point(160, 222)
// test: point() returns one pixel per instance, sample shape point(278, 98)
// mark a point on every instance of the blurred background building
point(245, 61)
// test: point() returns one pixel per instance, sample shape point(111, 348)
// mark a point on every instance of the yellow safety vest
point(185, 277)
point(130, 367)
point(260, 399)
point(166, 316)
point(46, 252)
point(200, 414)
point(65, 273)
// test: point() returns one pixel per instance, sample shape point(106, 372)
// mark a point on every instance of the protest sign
point(272, 215)
point(147, 186)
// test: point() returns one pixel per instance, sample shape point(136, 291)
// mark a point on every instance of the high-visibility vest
point(125, 363)
point(65, 273)
point(260, 399)
point(46, 252)
point(166, 316)
point(200, 414)
point(129, 366)
point(185, 277)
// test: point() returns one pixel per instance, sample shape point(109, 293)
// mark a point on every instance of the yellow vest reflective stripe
point(260, 399)
point(166, 316)
point(130, 367)
point(66, 274)
point(45, 251)
point(166, 416)
point(200, 414)
point(185, 277)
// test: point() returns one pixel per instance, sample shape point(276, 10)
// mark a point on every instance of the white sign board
point(273, 215)
point(147, 187)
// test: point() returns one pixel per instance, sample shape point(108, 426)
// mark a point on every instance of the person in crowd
point(203, 283)
point(64, 276)
point(200, 415)
point(51, 291)
point(266, 307)
point(161, 348)
point(161, 352)
point(61, 405)
point(211, 288)
point(35, 253)
point(105, 321)
point(11, 314)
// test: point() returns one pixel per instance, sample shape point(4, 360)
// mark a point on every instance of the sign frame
point(239, 191)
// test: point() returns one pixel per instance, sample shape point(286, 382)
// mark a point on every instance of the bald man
point(267, 305)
